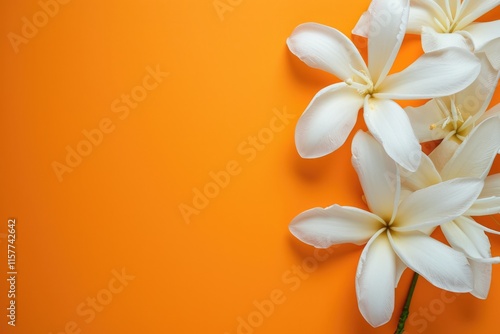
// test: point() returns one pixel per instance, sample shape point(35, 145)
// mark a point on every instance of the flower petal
point(420, 210)
point(390, 125)
point(375, 280)
point(424, 13)
point(474, 157)
point(388, 20)
point(423, 117)
point(467, 238)
point(322, 228)
point(474, 99)
point(482, 278)
point(425, 176)
point(443, 153)
point(378, 174)
point(434, 74)
point(432, 40)
point(439, 264)
point(473, 10)
point(491, 51)
point(482, 33)
point(326, 49)
point(489, 200)
point(327, 121)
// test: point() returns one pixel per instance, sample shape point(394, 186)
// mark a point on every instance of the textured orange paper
point(148, 159)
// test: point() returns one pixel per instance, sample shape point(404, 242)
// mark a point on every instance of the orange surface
point(164, 100)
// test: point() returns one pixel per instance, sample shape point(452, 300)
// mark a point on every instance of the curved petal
point(390, 125)
point(327, 121)
point(424, 13)
point(474, 157)
point(439, 264)
point(388, 20)
point(443, 153)
point(432, 40)
point(482, 278)
point(378, 174)
point(425, 176)
point(363, 25)
point(326, 49)
point(474, 10)
point(474, 99)
point(419, 210)
point(492, 112)
point(434, 74)
point(322, 228)
point(422, 118)
point(471, 221)
point(482, 33)
point(467, 238)
point(375, 281)
point(491, 51)
point(489, 200)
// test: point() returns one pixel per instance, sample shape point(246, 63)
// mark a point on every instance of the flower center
point(360, 81)
point(451, 19)
point(455, 121)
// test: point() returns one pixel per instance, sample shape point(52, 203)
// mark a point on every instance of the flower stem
point(406, 309)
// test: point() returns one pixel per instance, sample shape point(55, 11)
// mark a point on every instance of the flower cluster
point(409, 194)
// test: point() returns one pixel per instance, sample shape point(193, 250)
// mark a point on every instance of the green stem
point(406, 309)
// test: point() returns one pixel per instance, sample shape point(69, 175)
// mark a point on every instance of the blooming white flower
point(473, 158)
point(444, 23)
point(331, 115)
point(392, 230)
point(452, 118)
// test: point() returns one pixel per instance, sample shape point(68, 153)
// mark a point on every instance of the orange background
point(119, 208)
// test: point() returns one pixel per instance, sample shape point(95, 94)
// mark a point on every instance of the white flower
point(331, 115)
point(452, 118)
point(392, 230)
point(444, 23)
point(473, 158)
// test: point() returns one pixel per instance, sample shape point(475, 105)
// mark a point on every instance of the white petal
point(432, 40)
point(489, 200)
point(471, 221)
point(375, 281)
point(434, 74)
point(322, 228)
point(491, 51)
point(474, 10)
point(390, 125)
point(437, 204)
point(387, 28)
point(467, 238)
point(482, 278)
point(482, 33)
point(425, 176)
point(443, 153)
point(439, 264)
point(474, 99)
point(363, 25)
point(474, 157)
point(492, 112)
point(326, 49)
point(423, 14)
point(327, 121)
point(378, 174)
point(423, 117)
